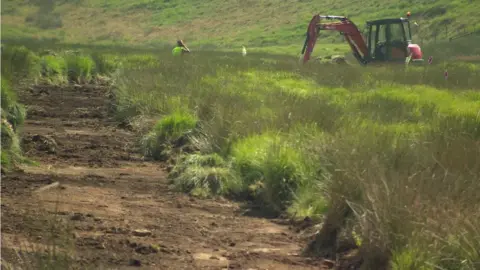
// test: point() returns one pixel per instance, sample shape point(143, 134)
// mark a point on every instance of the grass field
point(388, 155)
point(399, 149)
point(218, 24)
point(387, 158)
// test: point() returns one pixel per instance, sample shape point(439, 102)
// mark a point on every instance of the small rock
point(135, 262)
point(37, 110)
point(45, 143)
point(328, 263)
point(165, 250)
point(232, 244)
point(145, 250)
point(141, 232)
point(78, 217)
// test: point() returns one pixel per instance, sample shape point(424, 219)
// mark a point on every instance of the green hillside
point(215, 23)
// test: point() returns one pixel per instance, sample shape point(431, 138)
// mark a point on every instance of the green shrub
point(105, 64)
point(205, 175)
point(197, 160)
point(13, 112)
point(309, 201)
point(54, 69)
point(19, 63)
point(8, 96)
point(170, 131)
point(410, 258)
point(459, 123)
point(13, 115)
point(80, 68)
point(11, 151)
point(269, 161)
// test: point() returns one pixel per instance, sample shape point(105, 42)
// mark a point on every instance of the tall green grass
point(19, 63)
point(393, 150)
point(13, 115)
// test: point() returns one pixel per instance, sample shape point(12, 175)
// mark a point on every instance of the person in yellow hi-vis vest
point(180, 48)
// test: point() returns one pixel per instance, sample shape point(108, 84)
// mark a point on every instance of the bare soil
point(113, 210)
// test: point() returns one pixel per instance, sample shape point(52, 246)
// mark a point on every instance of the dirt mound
point(114, 209)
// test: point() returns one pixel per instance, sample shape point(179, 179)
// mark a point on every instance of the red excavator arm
point(345, 26)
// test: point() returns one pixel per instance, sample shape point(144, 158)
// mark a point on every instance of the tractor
point(386, 40)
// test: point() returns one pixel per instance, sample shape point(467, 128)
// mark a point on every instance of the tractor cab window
point(396, 32)
point(406, 27)
point(379, 47)
point(397, 42)
point(382, 33)
point(372, 30)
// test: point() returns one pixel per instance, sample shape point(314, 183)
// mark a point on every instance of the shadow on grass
point(252, 209)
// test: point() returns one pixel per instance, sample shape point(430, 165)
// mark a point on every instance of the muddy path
point(113, 209)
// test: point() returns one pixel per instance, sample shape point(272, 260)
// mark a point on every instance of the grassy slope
point(397, 123)
point(379, 138)
point(257, 23)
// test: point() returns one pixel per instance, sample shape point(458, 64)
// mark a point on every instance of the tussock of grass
point(80, 68)
point(270, 163)
point(396, 179)
point(19, 63)
point(105, 63)
point(170, 131)
point(209, 160)
point(13, 115)
point(205, 175)
point(54, 69)
point(309, 201)
point(205, 181)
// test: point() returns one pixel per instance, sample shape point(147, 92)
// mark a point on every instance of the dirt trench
point(116, 209)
